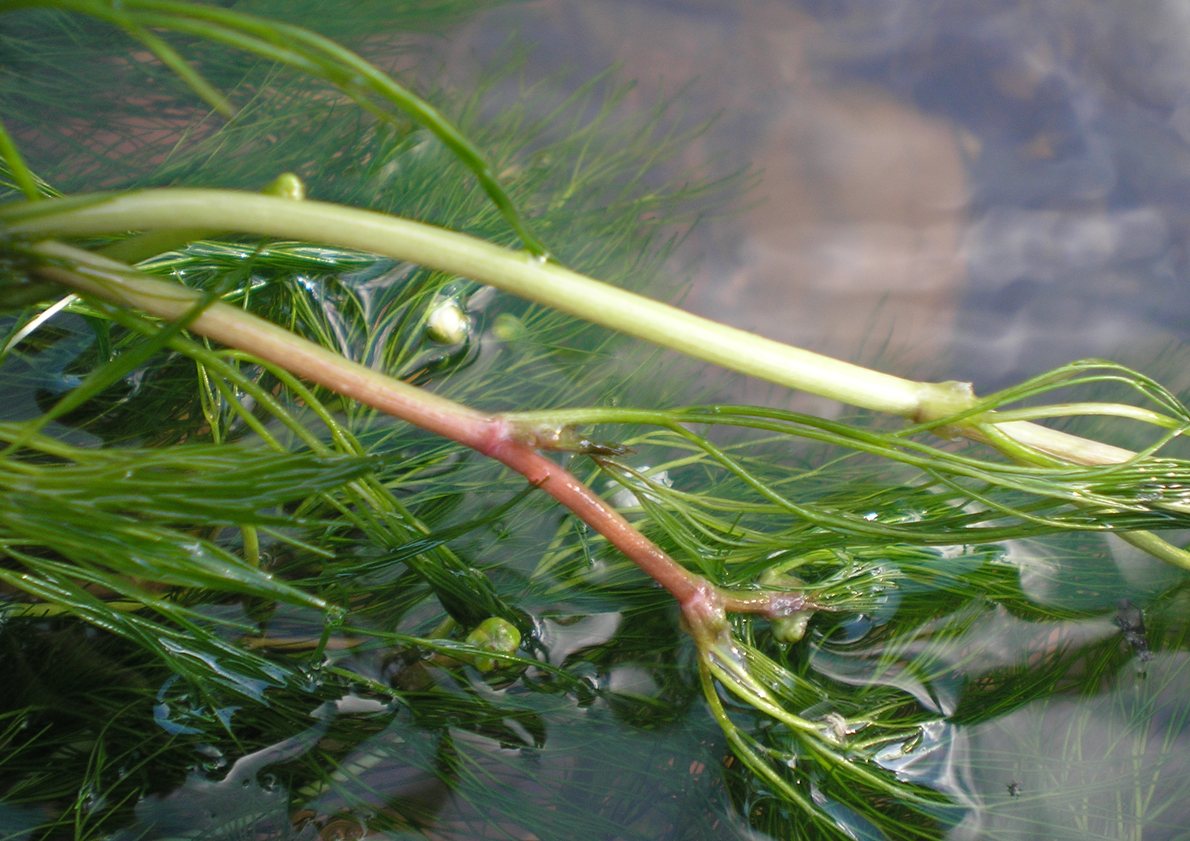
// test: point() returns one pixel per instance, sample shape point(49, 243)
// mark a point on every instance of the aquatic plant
point(256, 444)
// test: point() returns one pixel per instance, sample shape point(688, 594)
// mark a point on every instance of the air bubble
point(448, 323)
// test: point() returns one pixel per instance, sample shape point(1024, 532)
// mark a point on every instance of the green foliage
point(235, 605)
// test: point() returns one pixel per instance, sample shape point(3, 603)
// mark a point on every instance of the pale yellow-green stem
point(542, 281)
point(513, 271)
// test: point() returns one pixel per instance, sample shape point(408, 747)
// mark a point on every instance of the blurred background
point(970, 189)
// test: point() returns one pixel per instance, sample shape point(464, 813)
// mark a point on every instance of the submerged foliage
point(237, 605)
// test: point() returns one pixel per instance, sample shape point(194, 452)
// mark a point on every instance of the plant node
point(944, 399)
point(705, 615)
point(564, 438)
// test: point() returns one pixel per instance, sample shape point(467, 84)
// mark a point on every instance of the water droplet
point(1149, 493)
point(334, 617)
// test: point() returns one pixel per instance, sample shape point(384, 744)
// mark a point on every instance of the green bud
point(286, 186)
point(493, 634)
point(791, 628)
point(507, 327)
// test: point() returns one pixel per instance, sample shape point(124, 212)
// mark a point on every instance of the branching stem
point(703, 604)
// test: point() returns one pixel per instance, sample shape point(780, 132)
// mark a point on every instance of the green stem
point(1070, 410)
point(1158, 548)
point(22, 176)
point(554, 286)
point(516, 272)
point(1029, 443)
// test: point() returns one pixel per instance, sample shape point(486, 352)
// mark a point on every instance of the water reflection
point(1078, 164)
point(858, 193)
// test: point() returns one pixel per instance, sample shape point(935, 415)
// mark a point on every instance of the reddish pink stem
point(566, 488)
point(702, 603)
